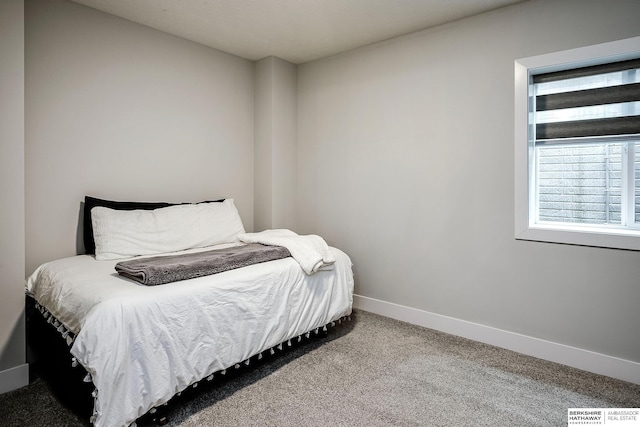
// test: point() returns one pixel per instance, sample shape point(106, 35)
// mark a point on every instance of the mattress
point(141, 345)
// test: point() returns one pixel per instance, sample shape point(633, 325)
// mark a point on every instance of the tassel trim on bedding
point(69, 338)
point(259, 356)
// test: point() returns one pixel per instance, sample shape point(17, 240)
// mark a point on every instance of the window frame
point(525, 226)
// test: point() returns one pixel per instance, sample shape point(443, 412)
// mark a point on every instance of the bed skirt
point(49, 358)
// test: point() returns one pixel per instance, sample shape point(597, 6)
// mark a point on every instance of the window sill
point(603, 237)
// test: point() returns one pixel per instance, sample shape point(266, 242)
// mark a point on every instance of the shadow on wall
point(80, 231)
point(12, 350)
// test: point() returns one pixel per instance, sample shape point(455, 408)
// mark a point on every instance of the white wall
point(13, 370)
point(404, 157)
point(275, 144)
point(118, 110)
point(406, 161)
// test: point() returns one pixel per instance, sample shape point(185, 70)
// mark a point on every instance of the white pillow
point(123, 234)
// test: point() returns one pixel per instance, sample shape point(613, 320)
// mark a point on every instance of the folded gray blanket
point(172, 268)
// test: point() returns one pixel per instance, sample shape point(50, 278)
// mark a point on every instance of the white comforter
point(143, 344)
point(310, 251)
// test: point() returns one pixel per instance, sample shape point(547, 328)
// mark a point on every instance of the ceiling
point(297, 31)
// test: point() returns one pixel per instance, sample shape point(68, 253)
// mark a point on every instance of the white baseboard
point(14, 378)
point(586, 360)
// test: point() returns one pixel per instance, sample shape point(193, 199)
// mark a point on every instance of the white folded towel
point(310, 251)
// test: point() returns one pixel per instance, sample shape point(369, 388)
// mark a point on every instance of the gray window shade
point(629, 125)
point(624, 96)
point(589, 97)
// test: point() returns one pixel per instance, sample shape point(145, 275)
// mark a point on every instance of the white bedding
point(311, 251)
point(143, 344)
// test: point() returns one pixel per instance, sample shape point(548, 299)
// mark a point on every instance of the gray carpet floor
point(372, 371)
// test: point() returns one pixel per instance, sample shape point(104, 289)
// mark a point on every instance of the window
point(578, 146)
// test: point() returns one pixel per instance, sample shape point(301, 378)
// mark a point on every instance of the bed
point(141, 345)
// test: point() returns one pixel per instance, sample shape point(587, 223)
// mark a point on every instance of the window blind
point(595, 101)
